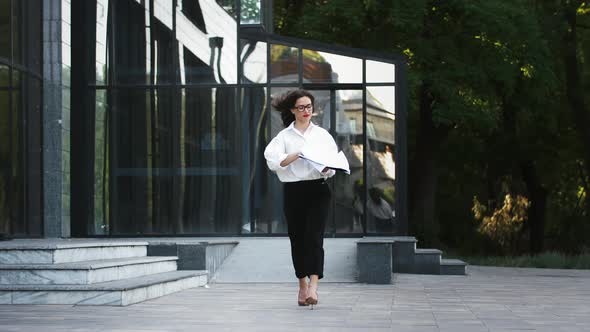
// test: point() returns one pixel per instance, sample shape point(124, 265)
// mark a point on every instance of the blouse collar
point(292, 127)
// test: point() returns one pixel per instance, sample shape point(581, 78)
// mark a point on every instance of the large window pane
point(20, 120)
point(176, 162)
point(348, 189)
point(254, 64)
point(381, 187)
point(130, 142)
point(263, 205)
point(211, 158)
point(380, 72)
point(322, 67)
point(284, 64)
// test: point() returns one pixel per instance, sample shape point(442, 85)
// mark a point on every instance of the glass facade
point(171, 111)
point(21, 212)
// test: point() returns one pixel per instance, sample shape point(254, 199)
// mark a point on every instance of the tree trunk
point(574, 92)
point(537, 210)
point(422, 173)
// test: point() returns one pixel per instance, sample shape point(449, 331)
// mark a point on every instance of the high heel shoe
point(302, 296)
point(312, 295)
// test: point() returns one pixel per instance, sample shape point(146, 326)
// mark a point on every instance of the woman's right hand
point(290, 158)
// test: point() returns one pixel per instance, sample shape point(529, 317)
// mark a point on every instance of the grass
point(550, 260)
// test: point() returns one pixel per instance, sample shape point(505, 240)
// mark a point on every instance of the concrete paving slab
point(488, 299)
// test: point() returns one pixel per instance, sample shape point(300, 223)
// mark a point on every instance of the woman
point(307, 195)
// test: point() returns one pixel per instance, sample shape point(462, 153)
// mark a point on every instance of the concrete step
point(403, 253)
point(427, 261)
point(87, 272)
point(65, 252)
point(115, 293)
point(452, 267)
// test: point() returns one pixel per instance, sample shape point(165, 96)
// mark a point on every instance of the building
point(150, 117)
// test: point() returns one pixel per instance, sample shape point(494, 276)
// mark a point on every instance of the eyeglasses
point(302, 108)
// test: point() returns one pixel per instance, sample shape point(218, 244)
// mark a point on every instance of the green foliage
point(494, 74)
point(502, 225)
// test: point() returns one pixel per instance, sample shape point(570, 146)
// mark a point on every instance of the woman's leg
point(317, 214)
point(316, 225)
point(296, 227)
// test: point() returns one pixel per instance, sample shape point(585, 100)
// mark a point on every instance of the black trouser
point(306, 208)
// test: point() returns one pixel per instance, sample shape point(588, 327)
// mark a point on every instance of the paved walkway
point(488, 299)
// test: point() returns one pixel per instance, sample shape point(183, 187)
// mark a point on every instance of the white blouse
point(290, 140)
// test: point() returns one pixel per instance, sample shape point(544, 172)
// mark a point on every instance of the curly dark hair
point(287, 101)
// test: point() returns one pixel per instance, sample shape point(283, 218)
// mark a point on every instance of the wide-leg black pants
point(306, 208)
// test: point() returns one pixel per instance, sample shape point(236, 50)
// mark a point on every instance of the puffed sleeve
point(275, 154)
point(332, 147)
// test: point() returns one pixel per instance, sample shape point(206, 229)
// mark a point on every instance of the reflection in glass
point(211, 55)
point(6, 208)
point(380, 113)
point(322, 67)
point(33, 179)
point(175, 170)
point(20, 33)
point(101, 41)
point(284, 64)
point(130, 42)
point(5, 44)
point(16, 176)
point(163, 44)
point(348, 189)
point(263, 204)
point(17, 19)
point(211, 188)
point(163, 12)
point(20, 178)
point(253, 58)
point(101, 175)
point(192, 11)
point(381, 161)
point(380, 72)
point(250, 12)
point(229, 6)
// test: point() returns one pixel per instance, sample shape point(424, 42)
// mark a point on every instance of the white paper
point(322, 158)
